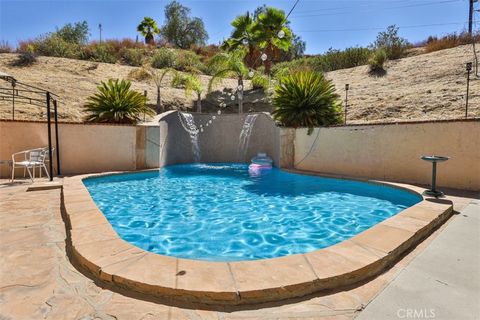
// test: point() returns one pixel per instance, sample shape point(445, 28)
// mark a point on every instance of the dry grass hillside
point(426, 86)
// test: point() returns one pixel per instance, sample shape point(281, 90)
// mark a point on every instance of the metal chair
point(32, 159)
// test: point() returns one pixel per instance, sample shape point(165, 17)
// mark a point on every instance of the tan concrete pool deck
point(39, 281)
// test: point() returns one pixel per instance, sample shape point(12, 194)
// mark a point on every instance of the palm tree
point(270, 32)
point(229, 65)
point(192, 83)
point(158, 76)
point(242, 36)
point(148, 28)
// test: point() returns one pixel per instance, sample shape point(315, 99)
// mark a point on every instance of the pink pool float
point(261, 162)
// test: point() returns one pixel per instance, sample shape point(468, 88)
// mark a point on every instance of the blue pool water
point(219, 212)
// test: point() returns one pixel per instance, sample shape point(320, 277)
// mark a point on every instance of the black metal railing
point(17, 92)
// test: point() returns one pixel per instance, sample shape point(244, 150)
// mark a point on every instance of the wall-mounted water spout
point(244, 137)
point(188, 123)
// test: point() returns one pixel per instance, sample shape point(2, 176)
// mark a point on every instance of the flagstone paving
point(37, 280)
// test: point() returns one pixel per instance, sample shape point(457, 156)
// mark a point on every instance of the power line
point(379, 28)
point(347, 8)
point(372, 9)
point(356, 6)
point(288, 15)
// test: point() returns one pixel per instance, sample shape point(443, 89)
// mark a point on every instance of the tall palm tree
point(270, 32)
point(242, 36)
point(148, 28)
point(229, 65)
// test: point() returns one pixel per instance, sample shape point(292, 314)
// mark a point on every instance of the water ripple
point(218, 212)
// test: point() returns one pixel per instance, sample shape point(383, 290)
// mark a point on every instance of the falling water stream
point(188, 123)
point(245, 134)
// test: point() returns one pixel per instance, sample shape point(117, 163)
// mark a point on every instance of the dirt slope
point(427, 86)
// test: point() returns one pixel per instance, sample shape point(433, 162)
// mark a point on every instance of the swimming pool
point(219, 212)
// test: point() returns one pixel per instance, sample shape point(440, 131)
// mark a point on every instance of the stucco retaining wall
point(84, 148)
point(219, 142)
point(386, 152)
point(392, 152)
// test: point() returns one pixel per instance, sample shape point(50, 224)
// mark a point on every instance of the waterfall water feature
point(188, 123)
point(245, 134)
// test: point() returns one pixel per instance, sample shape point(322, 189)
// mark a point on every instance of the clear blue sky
point(321, 23)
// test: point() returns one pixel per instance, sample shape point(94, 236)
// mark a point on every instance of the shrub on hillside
point(188, 61)
point(54, 46)
point(99, 52)
point(24, 59)
point(296, 65)
point(139, 74)
point(450, 41)
point(377, 61)
point(340, 59)
point(5, 47)
point(133, 57)
point(116, 102)
point(394, 45)
point(164, 58)
point(76, 33)
point(306, 99)
point(206, 51)
point(125, 43)
point(64, 42)
point(329, 61)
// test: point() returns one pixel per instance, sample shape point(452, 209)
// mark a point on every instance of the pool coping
point(96, 247)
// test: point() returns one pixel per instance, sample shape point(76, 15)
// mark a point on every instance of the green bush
point(188, 61)
point(329, 61)
point(116, 102)
point(395, 46)
point(133, 57)
point(99, 52)
point(306, 99)
point(260, 81)
point(301, 64)
point(73, 33)
point(164, 58)
point(55, 46)
point(340, 59)
point(377, 60)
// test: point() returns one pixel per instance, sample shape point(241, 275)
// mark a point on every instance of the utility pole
point(100, 29)
point(470, 16)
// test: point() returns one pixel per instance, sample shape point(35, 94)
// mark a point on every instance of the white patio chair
point(46, 160)
point(32, 159)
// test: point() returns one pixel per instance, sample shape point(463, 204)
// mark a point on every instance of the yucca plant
point(116, 102)
point(306, 99)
